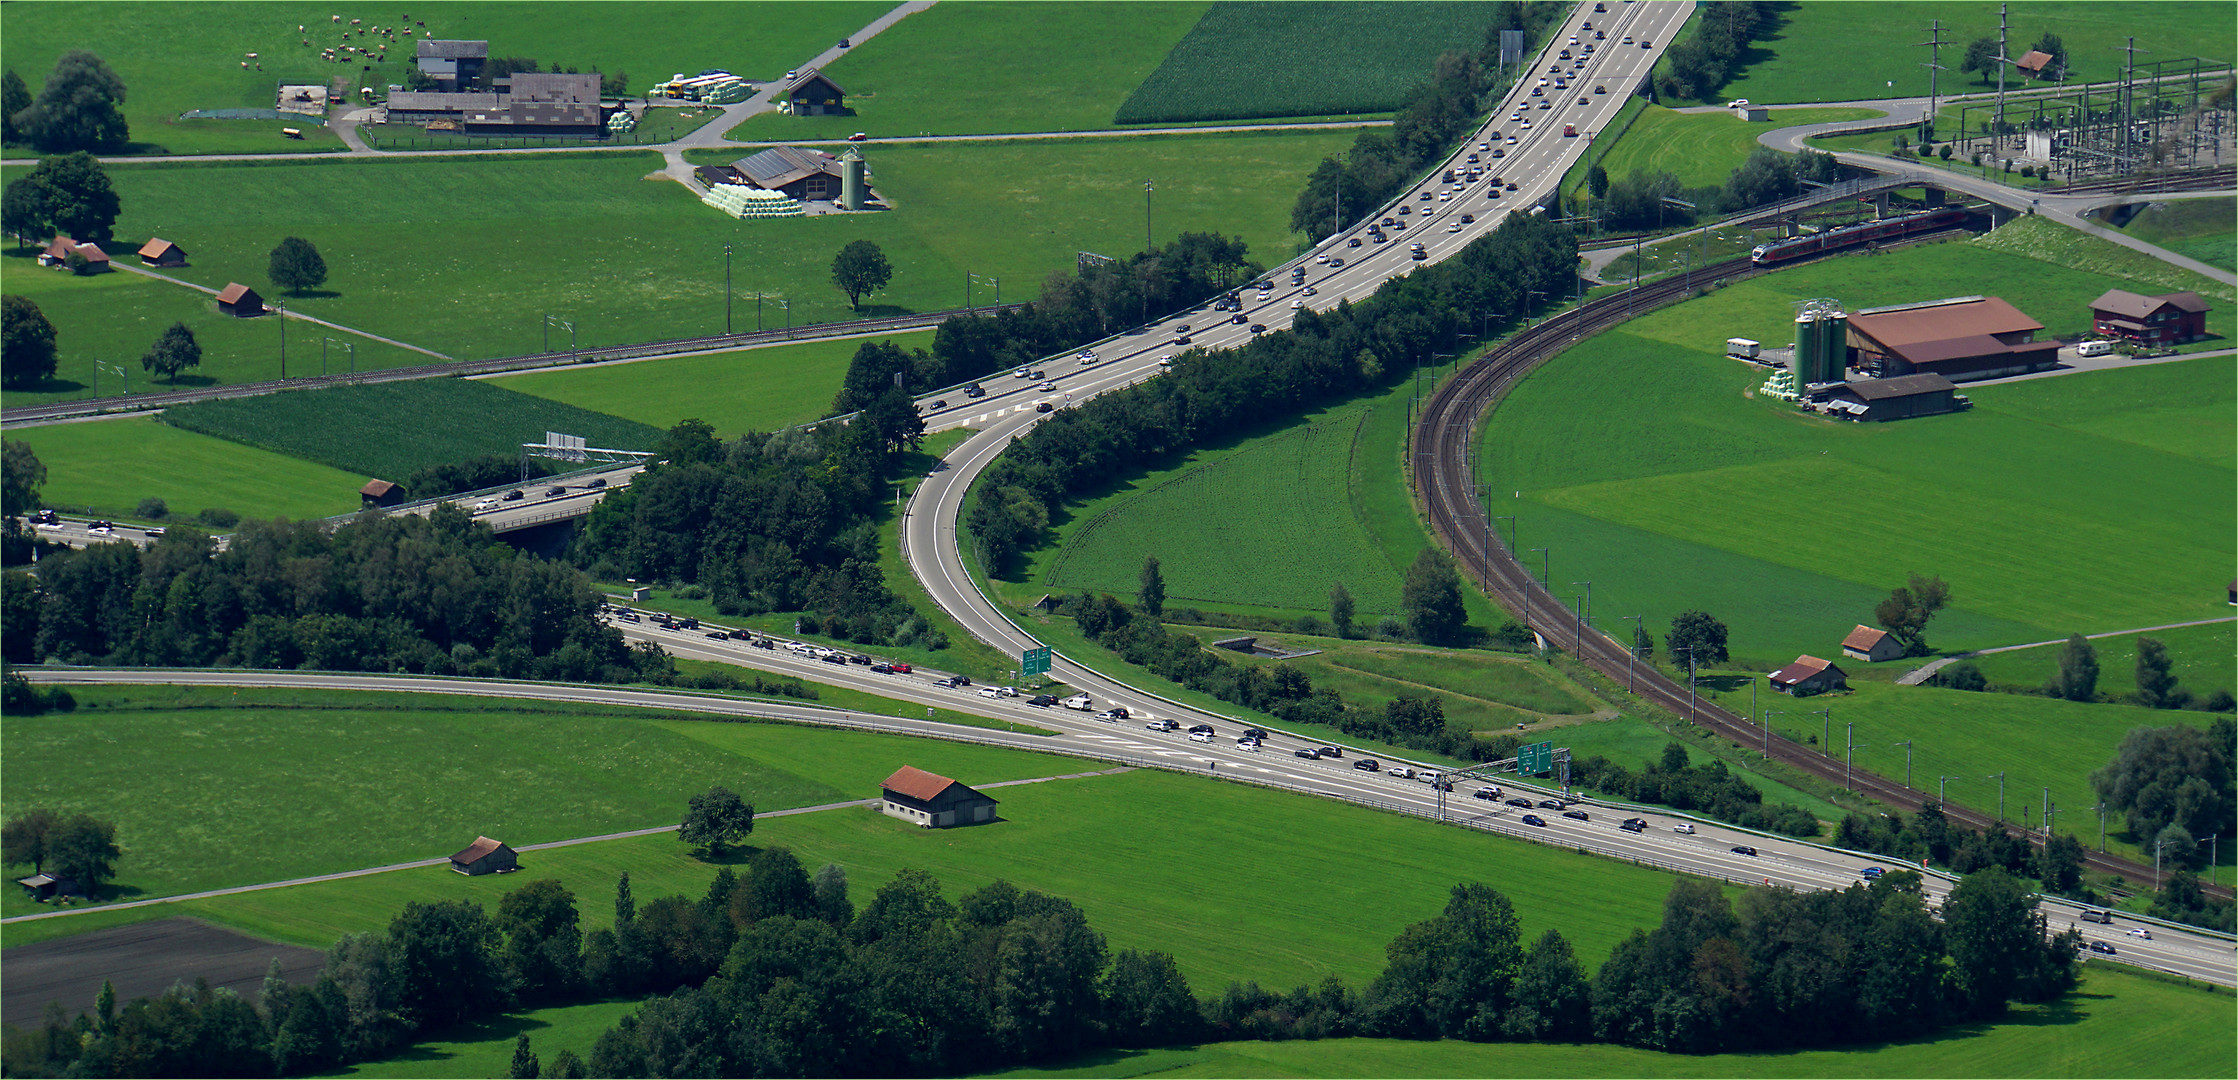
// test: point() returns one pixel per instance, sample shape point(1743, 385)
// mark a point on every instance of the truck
point(1742, 347)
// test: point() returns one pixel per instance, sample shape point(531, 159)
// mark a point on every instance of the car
point(1744, 849)
point(1487, 794)
point(2104, 947)
point(1043, 406)
point(975, 390)
point(1329, 752)
point(1627, 39)
point(1200, 736)
point(1487, 144)
point(1305, 754)
point(1368, 764)
point(1600, 89)
point(762, 643)
point(1871, 873)
point(1445, 196)
point(1166, 361)
point(1633, 825)
point(1181, 339)
point(485, 504)
point(1203, 728)
point(1569, 131)
point(1254, 733)
point(1600, 35)
point(1258, 328)
point(901, 668)
point(1598, 8)
point(1353, 242)
point(1420, 255)
point(1550, 804)
point(860, 659)
point(1163, 725)
point(1511, 140)
point(1583, 100)
point(1546, 105)
point(2141, 933)
point(842, 43)
point(1468, 219)
point(1042, 701)
point(1534, 819)
point(1297, 303)
point(833, 658)
point(598, 483)
point(1379, 237)
point(1038, 374)
point(1403, 211)
point(1511, 185)
point(1311, 291)
point(1046, 384)
point(554, 491)
point(515, 495)
point(858, 137)
point(1401, 771)
point(1113, 713)
point(1334, 263)
point(152, 531)
point(46, 517)
point(1453, 228)
point(1737, 103)
point(1321, 258)
point(1577, 815)
point(1526, 123)
point(1249, 746)
point(937, 405)
point(1683, 827)
point(1521, 804)
point(951, 682)
point(1647, 43)
point(1022, 373)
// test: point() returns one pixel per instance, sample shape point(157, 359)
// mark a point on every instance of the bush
point(1964, 675)
point(152, 509)
point(219, 517)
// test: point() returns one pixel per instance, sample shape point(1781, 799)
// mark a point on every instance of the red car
point(859, 137)
point(901, 669)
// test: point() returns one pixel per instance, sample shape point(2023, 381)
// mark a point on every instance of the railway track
point(1441, 473)
point(65, 410)
point(2142, 186)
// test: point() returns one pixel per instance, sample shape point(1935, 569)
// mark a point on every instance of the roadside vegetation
point(2199, 228)
point(1700, 150)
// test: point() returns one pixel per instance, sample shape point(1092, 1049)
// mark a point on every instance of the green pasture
point(2200, 655)
point(283, 787)
point(2200, 228)
point(485, 1048)
point(980, 68)
point(1790, 527)
point(1244, 61)
point(1702, 149)
point(2117, 1023)
point(175, 57)
point(358, 427)
point(105, 467)
point(2049, 242)
point(1844, 52)
point(747, 390)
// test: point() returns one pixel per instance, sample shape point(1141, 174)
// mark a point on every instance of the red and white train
point(1779, 251)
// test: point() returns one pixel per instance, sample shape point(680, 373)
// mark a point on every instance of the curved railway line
point(1441, 474)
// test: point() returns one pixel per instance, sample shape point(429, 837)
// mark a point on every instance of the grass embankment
point(629, 259)
point(2116, 1024)
point(2199, 228)
point(289, 784)
point(2049, 242)
point(1830, 52)
point(1035, 67)
point(1702, 149)
point(104, 468)
point(749, 390)
point(177, 57)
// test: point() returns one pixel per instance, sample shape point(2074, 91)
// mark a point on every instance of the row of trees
point(30, 353)
point(1981, 57)
point(1673, 781)
point(1637, 201)
point(77, 108)
point(2076, 679)
point(1695, 67)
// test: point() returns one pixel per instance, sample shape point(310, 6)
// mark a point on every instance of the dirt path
point(298, 316)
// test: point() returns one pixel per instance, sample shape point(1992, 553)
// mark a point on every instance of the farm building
point(48, 886)
point(811, 94)
point(803, 175)
point(526, 103)
point(2167, 319)
point(452, 64)
point(93, 260)
point(380, 493)
point(1966, 337)
point(1870, 645)
point(2036, 63)
point(1753, 114)
point(161, 252)
point(1809, 675)
point(1905, 396)
point(933, 801)
point(485, 856)
point(240, 301)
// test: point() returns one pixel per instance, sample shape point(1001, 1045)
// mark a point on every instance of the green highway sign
point(1034, 661)
point(1534, 759)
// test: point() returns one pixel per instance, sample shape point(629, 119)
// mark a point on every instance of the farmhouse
point(1870, 645)
point(380, 493)
point(161, 252)
point(811, 94)
point(485, 856)
point(1926, 394)
point(240, 301)
point(1966, 337)
point(2167, 319)
point(933, 801)
point(803, 175)
point(452, 64)
point(1809, 675)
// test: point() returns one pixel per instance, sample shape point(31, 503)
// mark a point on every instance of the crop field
point(1702, 149)
point(1245, 61)
point(2115, 1024)
point(359, 428)
point(176, 57)
point(1827, 52)
point(1667, 500)
point(748, 390)
point(1032, 67)
point(2200, 659)
point(286, 788)
point(105, 467)
point(2199, 228)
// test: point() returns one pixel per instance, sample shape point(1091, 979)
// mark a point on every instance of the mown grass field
point(1837, 52)
point(392, 429)
point(2201, 656)
point(1681, 497)
point(105, 467)
point(1702, 149)
point(1244, 61)
point(2116, 1024)
point(2049, 242)
point(485, 1048)
point(287, 787)
point(738, 392)
point(174, 57)
point(2200, 228)
point(1032, 67)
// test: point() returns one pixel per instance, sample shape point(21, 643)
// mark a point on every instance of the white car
point(1049, 384)
point(1166, 361)
point(800, 647)
point(1737, 103)
point(1023, 373)
point(990, 692)
point(485, 504)
point(1200, 736)
point(1403, 772)
point(2141, 932)
point(1321, 258)
point(1683, 827)
point(1078, 703)
point(1296, 304)
point(1453, 228)
point(1483, 146)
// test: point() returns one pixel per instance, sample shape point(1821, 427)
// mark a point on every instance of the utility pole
point(1147, 244)
point(1588, 601)
point(2047, 813)
point(1692, 709)
point(2000, 778)
point(1825, 729)
point(1632, 654)
point(283, 308)
point(2101, 826)
point(1997, 130)
point(1849, 751)
point(726, 289)
point(1942, 798)
point(1577, 638)
point(1934, 66)
point(1766, 717)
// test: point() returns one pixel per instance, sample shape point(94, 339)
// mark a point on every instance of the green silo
point(1805, 362)
point(1835, 326)
point(851, 179)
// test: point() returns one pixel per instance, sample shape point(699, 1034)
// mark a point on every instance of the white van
point(1078, 702)
point(2094, 348)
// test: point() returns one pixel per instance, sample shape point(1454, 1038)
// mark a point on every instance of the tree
point(715, 820)
point(77, 108)
point(1906, 611)
point(1151, 594)
point(1147, 1001)
point(14, 98)
point(691, 442)
point(1431, 598)
point(525, 1066)
point(75, 195)
point(830, 887)
point(893, 420)
point(296, 266)
point(24, 213)
point(1981, 56)
point(1963, 675)
point(1415, 715)
point(1998, 947)
point(625, 904)
point(1450, 976)
point(2059, 863)
point(85, 848)
point(1597, 181)
point(1341, 610)
point(445, 956)
point(1552, 1000)
point(2156, 683)
point(776, 886)
point(859, 270)
point(543, 940)
point(2171, 775)
point(173, 352)
point(1697, 631)
point(25, 838)
point(2050, 45)
point(27, 351)
point(2078, 671)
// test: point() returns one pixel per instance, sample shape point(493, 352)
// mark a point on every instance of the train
point(1779, 251)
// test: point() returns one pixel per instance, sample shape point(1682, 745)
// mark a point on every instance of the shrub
point(152, 509)
point(219, 517)
point(1964, 675)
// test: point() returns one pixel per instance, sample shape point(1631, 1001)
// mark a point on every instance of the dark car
point(937, 405)
point(1181, 339)
point(1330, 752)
point(2102, 947)
point(1368, 764)
point(1534, 819)
point(1744, 849)
point(882, 669)
point(1334, 263)
point(688, 623)
point(1579, 815)
point(1305, 754)
point(1634, 825)
point(975, 390)
point(1258, 328)
point(718, 635)
point(598, 483)
point(1550, 804)
point(1521, 803)
point(1487, 794)
point(833, 658)
point(1254, 733)
point(1468, 219)
point(1043, 406)
point(764, 643)
point(554, 490)
point(859, 658)
point(515, 495)
point(1238, 319)
point(1354, 242)
point(1492, 193)
point(1042, 701)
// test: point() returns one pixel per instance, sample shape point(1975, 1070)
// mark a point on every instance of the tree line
point(1636, 201)
point(2158, 686)
point(1696, 66)
point(1673, 781)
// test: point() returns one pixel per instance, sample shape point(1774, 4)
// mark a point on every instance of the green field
point(2200, 228)
point(1032, 67)
point(398, 777)
point(1678, 499)
point(486, 1048)
point(1702, 149)
point(357, 427)
point(1840, 52)
point(103, 468)
point(2201, 656)
point(174, 57)
point(2052, 243)
point(749, 390)
point(1244, 61)
point(2117, 1023)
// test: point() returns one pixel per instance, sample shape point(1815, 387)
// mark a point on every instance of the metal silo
point(1834, 325)
point(851, 179)
point(1805, 363)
